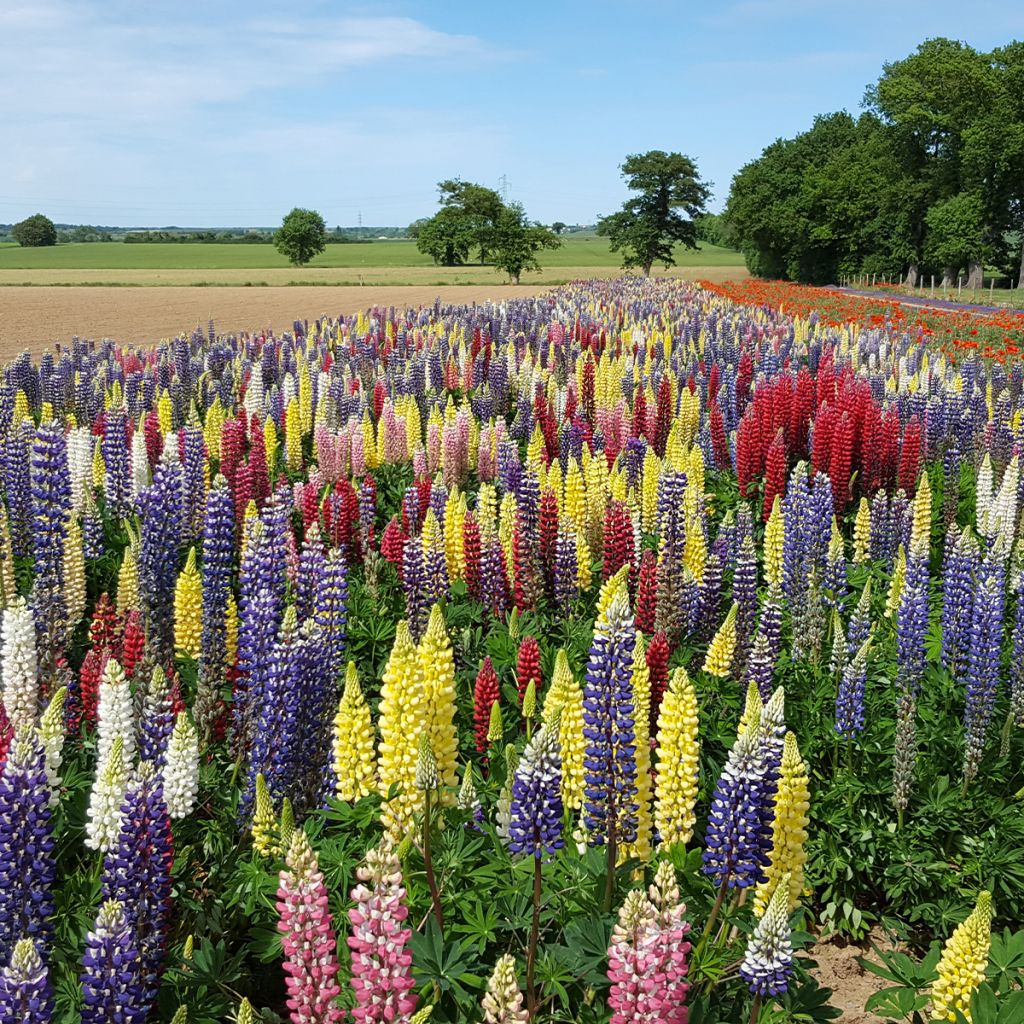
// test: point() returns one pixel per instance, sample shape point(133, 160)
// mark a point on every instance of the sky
point(229, 114)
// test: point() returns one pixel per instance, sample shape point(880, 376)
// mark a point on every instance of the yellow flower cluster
point(789, 829)
point(718, 660)
point(402, 717)
point(188, 609)
point(678, 761)
point(565, 699)
point(961, 967)
point(355, 760)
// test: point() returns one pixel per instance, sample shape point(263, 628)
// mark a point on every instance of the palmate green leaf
point(809, 1002)
point(448, 964)
point(896, 1003)
point(1006, 960)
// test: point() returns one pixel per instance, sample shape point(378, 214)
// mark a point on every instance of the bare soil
point(851, 985)
point(34, 318)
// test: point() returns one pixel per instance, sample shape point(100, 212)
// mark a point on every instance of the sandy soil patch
point(851, 985)
point(35, 318)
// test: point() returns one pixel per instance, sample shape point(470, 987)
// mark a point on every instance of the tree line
point(928, 180)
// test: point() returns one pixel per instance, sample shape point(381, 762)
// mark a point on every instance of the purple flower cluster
point(27, 867)
point(535, 826)
point(609, 760)
point(114, 986)
point(737, 839)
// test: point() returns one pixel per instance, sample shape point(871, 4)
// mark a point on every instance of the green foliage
point(648, 226)
point(34, 232)
point(517, 242)
point(301, 236)
point(932, 177)
point(447, 237)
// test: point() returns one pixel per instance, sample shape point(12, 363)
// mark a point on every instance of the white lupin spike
point(983, 496)
point(80, 442)
point(140, 463)
point(18, 665)
point(181, 768)
point(115, 714)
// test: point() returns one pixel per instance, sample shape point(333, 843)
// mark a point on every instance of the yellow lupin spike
point(789, 829)
point(678, 761)
point(862, 533)
point(564, 699)
point(921, 527)
point(718, 660)
point(961, 968)
point(99, 468)
point(437, 670)
point(773, 535)
point(8, 584)
point(128, 582)
point(293, 437)
point(401, 718)
point(21, 409)
point(752, 709)
point(188, 609)
point(74, 572)
point(584, 572)
point(899, 575)
point(615, 584)
point(165, 413)
point(355, 763)
point(270, 445)
point(231, 632)
point(265, 836)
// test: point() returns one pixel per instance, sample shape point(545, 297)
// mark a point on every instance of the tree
point(517, 242)
point(35, 231)
point(480, 206)
point(447, 237)
point(649, 225)
point(558, 227)
point(932, 99)
point(301, 236)
point(956, 235)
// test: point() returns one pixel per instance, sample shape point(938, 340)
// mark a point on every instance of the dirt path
point(34, 318)
point(851, 985)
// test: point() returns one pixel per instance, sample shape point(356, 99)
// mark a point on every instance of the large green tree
point(35, 231)
point(481, 206)
point(934, 99)
point(446, 237)
point(301, 236)
point(651, 224)
point(517, 242)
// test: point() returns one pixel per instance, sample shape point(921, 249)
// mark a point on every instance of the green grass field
point(587, 251)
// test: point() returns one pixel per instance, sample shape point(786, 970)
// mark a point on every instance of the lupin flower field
point(580, 658)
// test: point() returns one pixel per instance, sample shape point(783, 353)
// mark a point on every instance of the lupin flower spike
point(768, 962)
point(503, 1001)
point(25, 994)
point(181, 768)
point(961, 967)
point(381, 961)
point(678, 765)
point(309, 943)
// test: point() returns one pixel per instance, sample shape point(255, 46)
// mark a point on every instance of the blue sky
point(227, 113)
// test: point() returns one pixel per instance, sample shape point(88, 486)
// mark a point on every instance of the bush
point(35, 231)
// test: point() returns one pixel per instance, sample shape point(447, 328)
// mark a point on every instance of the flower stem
point(428, 863)
point(715, 911)
point(531, 952)
point(613, 852)
point(755, 1010)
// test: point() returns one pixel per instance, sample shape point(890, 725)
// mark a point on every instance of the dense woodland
point(929, 179)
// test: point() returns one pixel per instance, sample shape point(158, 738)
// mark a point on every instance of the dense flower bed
point(569, 659)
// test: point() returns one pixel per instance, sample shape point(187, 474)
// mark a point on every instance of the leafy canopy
point(35, 231)
point(649, 225)
point(301, 236)
point(517, 242)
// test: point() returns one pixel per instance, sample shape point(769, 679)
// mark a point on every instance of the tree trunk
point(948, 277)
point(515, 278)
point(975, 274)
point(912, 274)
point(647, 269)
point(1020, 280)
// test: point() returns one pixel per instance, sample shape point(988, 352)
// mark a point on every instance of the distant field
point(575, 253)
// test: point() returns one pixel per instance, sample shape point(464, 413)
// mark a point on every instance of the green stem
point(613, 852)
point(531, 953)
point(755, 1010)
point(715, 911)
point(428, 863)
